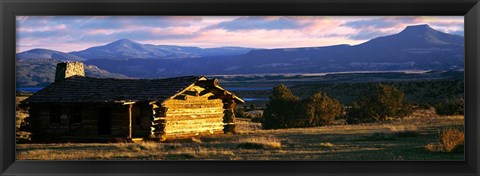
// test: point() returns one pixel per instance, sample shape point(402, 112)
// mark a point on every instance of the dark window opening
point(138, 119)
point(104, 120)
point(76, 115)
point(55, 114)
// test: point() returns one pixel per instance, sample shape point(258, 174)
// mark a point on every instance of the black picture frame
point(10, 8)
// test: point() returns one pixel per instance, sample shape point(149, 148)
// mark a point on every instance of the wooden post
point(130, 121)
point(229, 116)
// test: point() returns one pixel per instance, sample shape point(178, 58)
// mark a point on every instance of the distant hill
point(415, 48)
point(126, 49)
point(41, 72)
point(47, 54)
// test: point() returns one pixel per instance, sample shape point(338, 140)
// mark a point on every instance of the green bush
point(378, 104)
point(321, 110)
point(281, 110)
point(360, 113)
point(285, 110)
point(451, 107)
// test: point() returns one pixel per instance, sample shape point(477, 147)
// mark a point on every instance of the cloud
point(369, 23)
point(458, 32)
point(367, 34)
point(381, 26)
point(258, 22)
point(384, 22)
point(67, 33)
point(103, 29)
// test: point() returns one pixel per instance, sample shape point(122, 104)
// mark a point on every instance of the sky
point(75, 33)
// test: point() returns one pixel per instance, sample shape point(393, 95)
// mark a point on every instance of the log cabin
point(76, 107)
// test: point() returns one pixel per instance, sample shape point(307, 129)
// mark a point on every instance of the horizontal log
point(198, 105)
point(192, 117)
point(193, 126)
point(199, 101)
point(196, 111)
point(159, 118)
point(188, 135)
point(198, 118)
point(197, 130)
point(194, 122)
point(199, 111)
point(190, 109)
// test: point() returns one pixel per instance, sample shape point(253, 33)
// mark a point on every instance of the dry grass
point(243, 125)
point(259, 143)
point(121, 151)
point(338, 142)
point(393, 132)
point(448, 140)
point(196, 140)
point(451, 138)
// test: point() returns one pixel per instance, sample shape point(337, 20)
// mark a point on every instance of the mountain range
point(41, 72)
point(39, 54)
point(125, 49)
point(415, 48)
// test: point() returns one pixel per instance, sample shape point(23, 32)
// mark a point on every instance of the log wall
point(88, 127)
point(196, 111)
point(142, 117)
point(190, 114)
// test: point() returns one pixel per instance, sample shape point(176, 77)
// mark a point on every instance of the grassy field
point(404, 139)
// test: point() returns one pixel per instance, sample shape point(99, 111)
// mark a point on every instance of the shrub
point(321, 110)
point(285, 110)
point(358, 113)
point(255, 116)
point(449, 140)
point(282, 109)
point(451, 107)
point(382, 102)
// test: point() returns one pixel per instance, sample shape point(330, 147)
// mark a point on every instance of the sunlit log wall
point(188, 114)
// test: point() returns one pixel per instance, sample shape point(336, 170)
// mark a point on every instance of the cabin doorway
point(104, 120)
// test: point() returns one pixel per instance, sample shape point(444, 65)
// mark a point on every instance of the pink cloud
point(102, 31)
point(58, 27)
point(174, 31)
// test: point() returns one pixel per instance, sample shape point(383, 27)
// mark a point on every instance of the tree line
point(286, 110)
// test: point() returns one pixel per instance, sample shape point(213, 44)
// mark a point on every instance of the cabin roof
point(79, 89)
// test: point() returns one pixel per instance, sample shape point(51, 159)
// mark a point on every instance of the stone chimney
point(68, 69)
